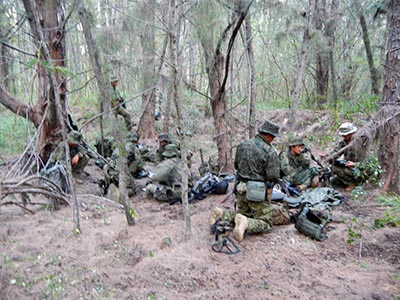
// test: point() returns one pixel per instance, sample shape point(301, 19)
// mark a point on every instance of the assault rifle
point(288, 188)
point(324, 172)
point(94, 154)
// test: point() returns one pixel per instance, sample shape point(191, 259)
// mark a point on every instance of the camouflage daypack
point(312, 222)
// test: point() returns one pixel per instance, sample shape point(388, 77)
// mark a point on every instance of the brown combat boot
point(350, 187)
point(241, 224)
point(215, 215)
point(314, 182)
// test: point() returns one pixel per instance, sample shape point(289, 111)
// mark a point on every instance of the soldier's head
point(163, 139)
point(346, 130)
point(295, 145)
point(269, 130)
point(114, 81)
point(133, 137)
point(171, 150)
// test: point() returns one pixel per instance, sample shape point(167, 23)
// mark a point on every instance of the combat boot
point(350, 187)
point(215, 215)
point(241, 224)
point(314, 182)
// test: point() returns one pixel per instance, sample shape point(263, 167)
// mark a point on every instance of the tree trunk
point(51, 22)
point(389, 136)
point(331, 33)
point(251, 84)
point(322, 56)
point(147, 125)
point(367, 44)
point(106, 93)
point(174, 31)
point(302, 63)
point(5, 66)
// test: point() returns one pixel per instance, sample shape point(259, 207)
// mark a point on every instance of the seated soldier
point(135, 162)
point(297, 167)
point(79, 155)
point(166, 185)
point(164, 139)
point(347, 171)
point(106, 147)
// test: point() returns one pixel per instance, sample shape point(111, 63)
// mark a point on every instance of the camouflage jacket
point(169, 172)
point(257, 160)
point(134, 159)
point(350, 154)
point(293, 164)
point(115, 97)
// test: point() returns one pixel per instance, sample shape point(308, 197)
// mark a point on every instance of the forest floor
point(41, 257)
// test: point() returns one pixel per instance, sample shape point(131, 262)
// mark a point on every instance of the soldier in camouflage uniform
point(256, 161)
point(119, 106)
point(79, 155)
point(135, 162)
point(164, 139)
point(344, 170)
point(166, 185)
point(297, 167)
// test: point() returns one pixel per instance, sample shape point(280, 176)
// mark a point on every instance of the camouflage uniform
point(109, 146)
point(256, 160)
point(167, 183)
point(58, 155)
point(119, 108)
point(297, 169)
point(344, 175)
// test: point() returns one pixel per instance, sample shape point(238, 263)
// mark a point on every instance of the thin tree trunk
point(147, 125)
point(389, 136)
point(174, 36)
point(367, 44)
point(331, 32)
point(302, 63)
point(251, 85)
point(105, 93)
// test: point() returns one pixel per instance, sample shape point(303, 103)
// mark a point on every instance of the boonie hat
point(270, 128)
point(347, 128)
point(295, 141)
point(171, 150)
point(113, 78)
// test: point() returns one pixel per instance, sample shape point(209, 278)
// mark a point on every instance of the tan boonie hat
point(295, 141)
point(270, 128)
point(171, 150)
point(113, 78)
point(347, 128)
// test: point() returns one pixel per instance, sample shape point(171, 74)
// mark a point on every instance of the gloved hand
point(314, 171)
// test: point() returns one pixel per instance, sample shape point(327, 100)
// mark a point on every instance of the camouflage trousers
point(127, 117)
point(163, 193)
point(344, 176)
point(82, 163)
point(303, 177)
point(111, 176)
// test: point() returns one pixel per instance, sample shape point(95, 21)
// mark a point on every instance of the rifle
point(325, 172)
point(94, 154)
point(288, 188)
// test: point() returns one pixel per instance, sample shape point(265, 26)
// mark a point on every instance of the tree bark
point(388, 152)
point(174, 26)
point(302, 63)
point(251, 84)
point(367, 45)
point(147, 125)
point(106, 93)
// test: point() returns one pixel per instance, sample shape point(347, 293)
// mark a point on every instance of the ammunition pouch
point(256, 191)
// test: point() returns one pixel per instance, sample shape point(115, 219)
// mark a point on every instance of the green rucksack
point(312, 222)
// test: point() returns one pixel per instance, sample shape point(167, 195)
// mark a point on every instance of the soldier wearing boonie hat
point(257, 169)
point(343, 169)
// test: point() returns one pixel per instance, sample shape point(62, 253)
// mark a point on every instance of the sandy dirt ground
point(41, 257)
